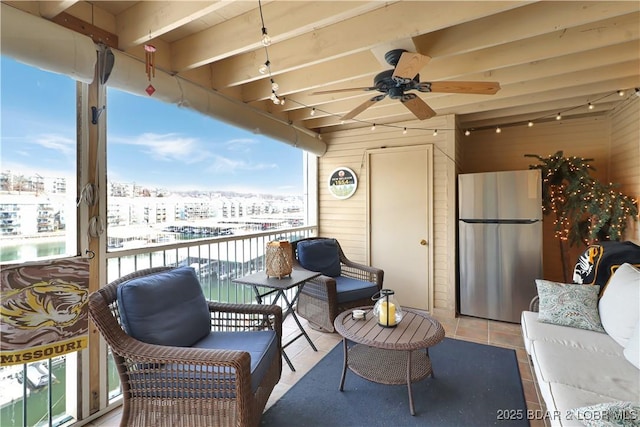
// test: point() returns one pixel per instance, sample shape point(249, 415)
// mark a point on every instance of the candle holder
point(387, 310)
point(279, 259)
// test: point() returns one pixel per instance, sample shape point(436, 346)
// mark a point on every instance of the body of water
point(28, 250)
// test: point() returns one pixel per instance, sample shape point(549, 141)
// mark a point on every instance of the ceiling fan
point(403, 78)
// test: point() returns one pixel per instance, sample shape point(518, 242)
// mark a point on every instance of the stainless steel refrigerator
point(500, 242)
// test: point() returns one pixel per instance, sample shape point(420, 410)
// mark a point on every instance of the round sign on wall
point(343, 183)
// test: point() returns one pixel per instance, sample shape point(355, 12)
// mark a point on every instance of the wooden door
point(399, 218)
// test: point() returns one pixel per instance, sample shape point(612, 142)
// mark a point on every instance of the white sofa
point(578, 368)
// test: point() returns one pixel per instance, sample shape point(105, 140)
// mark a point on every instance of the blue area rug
point(474, 385)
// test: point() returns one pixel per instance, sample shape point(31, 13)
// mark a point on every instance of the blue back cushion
point(166, 308)
point(320, 255)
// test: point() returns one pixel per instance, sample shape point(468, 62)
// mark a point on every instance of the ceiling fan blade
point(417, 106)
point(409, 65)
point(349, 89)
point(481, 88)
point(360, 108)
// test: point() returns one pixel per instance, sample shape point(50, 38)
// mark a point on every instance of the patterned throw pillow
point(610, 414)
point(569, 305)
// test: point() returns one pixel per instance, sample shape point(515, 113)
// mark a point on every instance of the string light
point(264, 68)
point(591, 106)
point(266, 40)
point(558, 116)
point(467, 132)
point(404, 131)
point(274, 86)
point(621, 92)
point(435, 132)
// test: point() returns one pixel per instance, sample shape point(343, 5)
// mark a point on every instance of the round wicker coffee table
point(389, 355)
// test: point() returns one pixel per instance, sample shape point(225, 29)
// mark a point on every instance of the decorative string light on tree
point(585, 210)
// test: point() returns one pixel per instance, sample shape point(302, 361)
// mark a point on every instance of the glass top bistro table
point(296, 279)
point(398, 355)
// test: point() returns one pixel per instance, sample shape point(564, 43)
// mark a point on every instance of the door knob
point(423, 242)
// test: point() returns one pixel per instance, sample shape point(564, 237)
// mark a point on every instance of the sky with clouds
point(151, 143)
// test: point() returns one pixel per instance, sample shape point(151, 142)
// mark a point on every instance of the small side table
point(389, 355)
point(298, 278)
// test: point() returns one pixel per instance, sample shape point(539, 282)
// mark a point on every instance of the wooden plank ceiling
point(548, 57)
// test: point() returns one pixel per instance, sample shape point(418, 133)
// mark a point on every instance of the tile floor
point(463, 328)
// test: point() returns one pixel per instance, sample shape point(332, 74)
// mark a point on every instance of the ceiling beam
point(50, 9)
point(146, 20)
point(283, 20)
point(393, 22)
point(545, 90)
point(536, 69)
point(517, 24)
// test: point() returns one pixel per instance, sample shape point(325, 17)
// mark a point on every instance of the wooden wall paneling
point(346, 219)
point(624, 166)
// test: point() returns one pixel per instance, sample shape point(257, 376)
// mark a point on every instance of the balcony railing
point(217, 260)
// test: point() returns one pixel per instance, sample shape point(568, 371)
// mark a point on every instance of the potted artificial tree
point(585, 210)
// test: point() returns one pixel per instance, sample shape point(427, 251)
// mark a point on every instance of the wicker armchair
point(322, 299)
point(191, 386)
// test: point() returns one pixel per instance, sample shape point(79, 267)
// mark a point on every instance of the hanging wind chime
point(150, 66)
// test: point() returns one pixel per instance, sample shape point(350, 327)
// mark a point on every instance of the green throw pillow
point(610, 414)
point(569, 305)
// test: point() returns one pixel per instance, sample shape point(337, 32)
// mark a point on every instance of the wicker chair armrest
point(534, 305)
point(323, 287)
point(152, 353)
point(363, 272)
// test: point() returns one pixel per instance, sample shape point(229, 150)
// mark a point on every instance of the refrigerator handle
point(500, 221)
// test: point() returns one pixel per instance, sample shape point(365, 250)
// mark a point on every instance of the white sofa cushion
point(619, 305)
point(572, 376)
point(532, 330)
point(568, 304)
point(632, 349)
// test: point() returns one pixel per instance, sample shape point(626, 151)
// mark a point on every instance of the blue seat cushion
point(262, 346)
point(349, 289)
point(174, 380)
point(320, 255)
point(166, 308)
